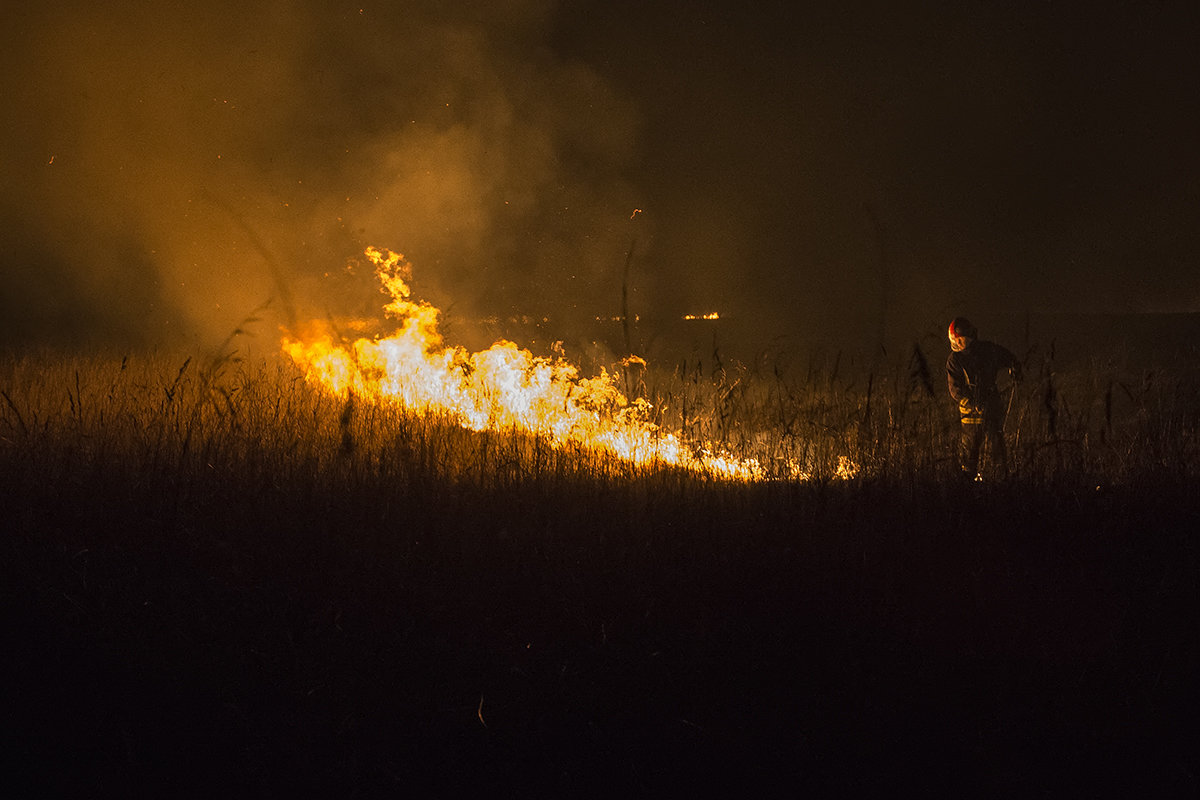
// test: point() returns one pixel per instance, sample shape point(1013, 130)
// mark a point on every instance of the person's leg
point(998, 452)
point(969, 446)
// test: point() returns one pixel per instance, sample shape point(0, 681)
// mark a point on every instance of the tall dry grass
point(182, 419)
point(1105, 422)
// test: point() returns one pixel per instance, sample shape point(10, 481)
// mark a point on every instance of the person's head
point(961, 333)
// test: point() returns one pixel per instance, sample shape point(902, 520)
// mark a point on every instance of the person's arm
point(956, 381)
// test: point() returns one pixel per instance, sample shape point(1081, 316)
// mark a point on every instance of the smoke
point(825, 170)
point(171, 169)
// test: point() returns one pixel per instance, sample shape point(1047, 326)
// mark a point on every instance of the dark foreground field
point(290, 616)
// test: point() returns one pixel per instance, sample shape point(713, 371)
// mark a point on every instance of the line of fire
point(502, 388)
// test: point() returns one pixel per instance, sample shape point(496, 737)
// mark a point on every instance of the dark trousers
point(977, 430)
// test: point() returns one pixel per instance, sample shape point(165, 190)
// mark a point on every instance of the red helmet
point(961, 332)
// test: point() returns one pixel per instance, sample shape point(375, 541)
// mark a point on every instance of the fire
point(710, 315)
point(502, 388)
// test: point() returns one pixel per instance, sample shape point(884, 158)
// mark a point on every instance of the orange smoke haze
point(842, 175)
point(171, 169)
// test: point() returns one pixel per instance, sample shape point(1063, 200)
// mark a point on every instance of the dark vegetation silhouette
point(218, 578)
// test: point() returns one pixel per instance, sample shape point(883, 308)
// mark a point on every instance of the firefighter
point(971, 371)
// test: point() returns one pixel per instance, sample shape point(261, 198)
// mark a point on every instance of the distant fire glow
point(709, 315)
point(503, 388)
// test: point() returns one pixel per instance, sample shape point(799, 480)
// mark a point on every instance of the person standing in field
point(971, 371)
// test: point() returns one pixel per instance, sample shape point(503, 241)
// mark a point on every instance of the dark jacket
point(971, 375)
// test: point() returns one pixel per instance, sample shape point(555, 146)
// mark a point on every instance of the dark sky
point(807, 166)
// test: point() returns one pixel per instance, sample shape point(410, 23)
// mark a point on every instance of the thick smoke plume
point(169, 168)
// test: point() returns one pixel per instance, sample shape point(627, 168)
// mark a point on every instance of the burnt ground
point(648, 638)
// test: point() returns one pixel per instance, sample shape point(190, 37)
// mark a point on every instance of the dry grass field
point(219, 578)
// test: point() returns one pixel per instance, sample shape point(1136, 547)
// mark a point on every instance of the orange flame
point(502, 388)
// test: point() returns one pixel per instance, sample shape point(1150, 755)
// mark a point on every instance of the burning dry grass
point(504, 388)
point(182, 418)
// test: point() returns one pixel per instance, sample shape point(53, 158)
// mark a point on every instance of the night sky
point(828, 171)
